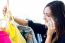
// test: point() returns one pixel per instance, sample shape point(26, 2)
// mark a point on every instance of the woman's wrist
point(48, 39)
point(49, 33)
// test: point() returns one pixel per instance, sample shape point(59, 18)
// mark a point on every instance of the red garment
point(4, 37)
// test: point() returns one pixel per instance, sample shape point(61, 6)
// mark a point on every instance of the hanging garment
point(4, 37)
point(13, 31)
point(14, 34)
point(27, 31)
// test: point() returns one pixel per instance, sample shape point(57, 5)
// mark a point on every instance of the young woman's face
point(48, 17)
point(47, 14)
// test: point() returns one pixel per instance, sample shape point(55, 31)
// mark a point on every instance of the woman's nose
point(45, 18)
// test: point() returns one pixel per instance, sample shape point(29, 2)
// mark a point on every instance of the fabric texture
point(4, 37)
point(26, 31)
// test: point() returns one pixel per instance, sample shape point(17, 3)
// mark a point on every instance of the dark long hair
point(58, 13)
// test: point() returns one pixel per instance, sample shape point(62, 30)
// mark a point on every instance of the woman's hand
point(7, 13)
point(51, 29)
point(5, 10)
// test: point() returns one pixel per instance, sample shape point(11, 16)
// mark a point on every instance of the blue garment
point(38, 29)
point(39, 37)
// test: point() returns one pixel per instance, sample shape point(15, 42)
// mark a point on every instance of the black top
point(61, 39)
point(38, 29)
point(41, 29)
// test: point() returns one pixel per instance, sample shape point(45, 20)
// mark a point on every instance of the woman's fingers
point(51, 27)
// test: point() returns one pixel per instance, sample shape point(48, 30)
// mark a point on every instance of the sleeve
point(37, 27)
point(30, 23)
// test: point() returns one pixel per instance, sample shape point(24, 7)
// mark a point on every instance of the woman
point(54, 16)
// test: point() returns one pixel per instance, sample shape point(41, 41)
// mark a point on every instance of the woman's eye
point(46, 14)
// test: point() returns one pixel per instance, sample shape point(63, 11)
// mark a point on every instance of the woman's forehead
point(47, 10)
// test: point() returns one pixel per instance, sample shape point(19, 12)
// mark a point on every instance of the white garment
point(3, 23)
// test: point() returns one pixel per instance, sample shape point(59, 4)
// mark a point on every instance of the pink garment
point(4, 37)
